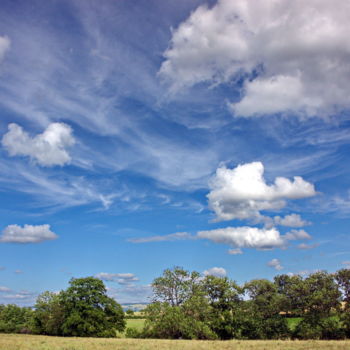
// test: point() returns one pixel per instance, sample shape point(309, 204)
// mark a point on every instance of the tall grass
point(39, 342)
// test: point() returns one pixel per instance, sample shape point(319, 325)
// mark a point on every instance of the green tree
point(15, 319)
point(175, 286)
point(89, 312)
point(224, 299)
point(48, 316)
point(343, 279)
point(263, 318)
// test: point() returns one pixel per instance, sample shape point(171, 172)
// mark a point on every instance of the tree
point(175, 286)
point(48, 316)
point(263, 311)
point(224, 298)
point(343, 279)
point(89, 312)
point(15, 319)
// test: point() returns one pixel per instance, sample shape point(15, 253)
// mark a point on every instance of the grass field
point(40, 342)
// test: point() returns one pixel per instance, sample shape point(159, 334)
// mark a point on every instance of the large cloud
point(245, 237)
point(4, 46)
point(252, 237)
point(292, 55)
point(47, 149)
point(241, 193)
point(27, 234)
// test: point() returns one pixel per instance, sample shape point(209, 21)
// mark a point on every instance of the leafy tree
point(15, 319)
point(175, 286)
point(89, 312)
point(224, 298)
point(262, 311)
point(293, 290)
point(343, 279)
point(48, 316)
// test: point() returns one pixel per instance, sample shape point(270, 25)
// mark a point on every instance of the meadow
point(40, 342)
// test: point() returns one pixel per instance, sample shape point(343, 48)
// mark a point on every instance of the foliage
point(88, 311)
point(14, 319)
point(48, 315)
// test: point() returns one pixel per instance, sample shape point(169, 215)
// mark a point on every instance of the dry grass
point(33, 342)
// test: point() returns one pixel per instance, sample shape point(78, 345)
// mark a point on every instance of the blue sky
point(142, 135)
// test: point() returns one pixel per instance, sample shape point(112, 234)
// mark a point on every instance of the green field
point(135, 323)
point(40, 342)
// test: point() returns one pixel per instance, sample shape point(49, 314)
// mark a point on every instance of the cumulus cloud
point(27, 234)
point(215, 271)
point(47, 149)
point(276, 264)
point(235, 251)
point(4, 46)
point(252, 237)
point(242, 192)
point(286, 52)
point(178, 236)
point(292, 220)
point(121, 278)
point(245, 237)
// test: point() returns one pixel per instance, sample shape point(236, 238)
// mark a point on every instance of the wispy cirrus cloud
point(178, 236)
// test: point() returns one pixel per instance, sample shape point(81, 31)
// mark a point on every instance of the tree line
point(187, 305)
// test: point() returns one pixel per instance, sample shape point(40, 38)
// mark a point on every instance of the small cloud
point(121, 278)
point(5, 289)
point(305, 246)
point(346, 263)
point(47, 149)
point(178, 236)
point(4, 46)
point(236, 251)
point(215, 271)
point(276, 264)
point(297, 235)
point(2, 268)
point(292, 220)
point(18, 272)
point(27, 234)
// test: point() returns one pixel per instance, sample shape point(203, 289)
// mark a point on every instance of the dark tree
point(89, 312)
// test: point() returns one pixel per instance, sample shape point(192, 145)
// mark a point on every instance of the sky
point(139, 135)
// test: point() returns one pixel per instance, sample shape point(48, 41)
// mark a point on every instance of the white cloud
point(291, 220)
point(4, 289)
point(245, 237)
point(178, 236)
point(236, 251)
point(121, 278)
point(47, 149)
point(292, 49)
point(346, 263)
point(215, 271)
point(276, 264)
point(4, 46)
point(242, 192)
point(297, 235)
point(27, 234)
